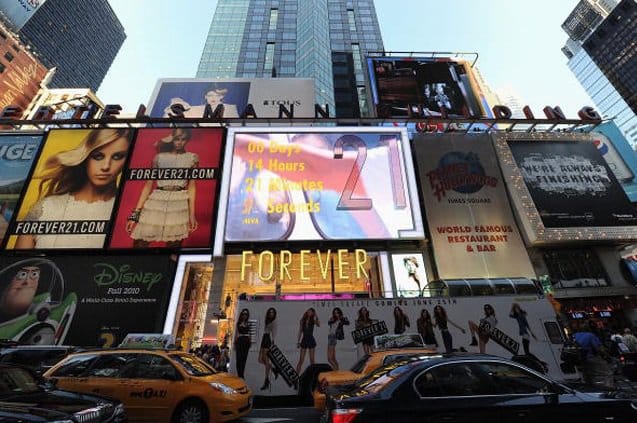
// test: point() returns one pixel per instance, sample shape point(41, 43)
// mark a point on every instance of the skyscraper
point(607, 98)
point(79, 38)
point(317, 39)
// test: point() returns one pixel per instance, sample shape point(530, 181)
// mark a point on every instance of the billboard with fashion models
point(410, 274)
point(564, 189)
point(265, 95)
point(470, 221)
point(430, 86)
point(170, 189)
point(319, 184)
point(70, 196)
point(17, 153)
point(92, 301)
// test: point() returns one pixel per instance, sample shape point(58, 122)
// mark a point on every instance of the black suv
point(38, 358)
point(26, 398)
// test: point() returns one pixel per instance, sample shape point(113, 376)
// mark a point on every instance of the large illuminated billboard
point(431, 87)
point(319, 184)
point(564, 188)
point(17, 153)
point(87, 301)
point(265, 95)
point(471, 224)
point(170, 189)
point(71, 194)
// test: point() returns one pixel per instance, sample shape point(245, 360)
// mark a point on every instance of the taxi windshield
point(17, 381)
point(193, 365)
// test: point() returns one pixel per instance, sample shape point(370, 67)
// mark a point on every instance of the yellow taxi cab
point(156, 385)
point(365, 365)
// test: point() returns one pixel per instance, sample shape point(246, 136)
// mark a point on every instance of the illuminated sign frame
point(409, 178)
point(529, 218)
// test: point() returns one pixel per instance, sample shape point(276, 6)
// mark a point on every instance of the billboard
point(18, 12)
point(71, 194)
point(410, 274)
point(319, 184)
point(471, 225)
point(430, 86)
point(17, 153)
point(264, 94)
point(563, 189)
point(170, 189)
point(94, 301)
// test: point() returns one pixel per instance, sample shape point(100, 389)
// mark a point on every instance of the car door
point(524, 397)
point(70, 375)
point(104, 376)
point(151, 382)
point(453, 392)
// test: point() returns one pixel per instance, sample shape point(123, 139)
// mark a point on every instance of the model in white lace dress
point(167, 212)
point(78, 185)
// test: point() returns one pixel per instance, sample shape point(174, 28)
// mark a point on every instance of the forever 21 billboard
point(94, 301)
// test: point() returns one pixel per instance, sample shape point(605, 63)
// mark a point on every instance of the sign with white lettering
point(17, 154)
point(18, 12)
point(70, 197)
point(369, 332)
point(472, 228)
point(170, 189)
point(572, 185)
point(320, 183)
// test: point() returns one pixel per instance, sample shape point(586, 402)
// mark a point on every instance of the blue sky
point(518, 42)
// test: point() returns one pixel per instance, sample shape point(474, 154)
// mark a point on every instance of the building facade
point(319, 39)
point(20, 71)
point(612, 103)
point(79, 39)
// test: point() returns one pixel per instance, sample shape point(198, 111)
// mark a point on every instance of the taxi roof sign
point(148, 340)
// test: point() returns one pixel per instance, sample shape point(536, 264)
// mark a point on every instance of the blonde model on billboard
point(213, 96)
point(166, 213)
point(78, 185)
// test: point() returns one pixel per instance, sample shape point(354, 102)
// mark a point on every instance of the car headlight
point(222, 388)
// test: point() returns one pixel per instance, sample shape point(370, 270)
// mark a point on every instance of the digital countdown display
point(320, 184)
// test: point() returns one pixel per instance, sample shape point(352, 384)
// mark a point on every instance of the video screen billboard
point(264, 94)
point(320, 184)
point(18, 12)
point(94, 301)
point(17, 153)
point(70, 197)
point(430, 86)
point(471, 224)
point(170, 189)
point(572, 185)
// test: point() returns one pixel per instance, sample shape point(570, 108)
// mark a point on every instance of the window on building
point(16, 48)
point(274, 17)
point(2, 68)
point(269, 57)
point(351, 20)
point(8, 56)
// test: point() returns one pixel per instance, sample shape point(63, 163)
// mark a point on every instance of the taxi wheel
point(192, 411)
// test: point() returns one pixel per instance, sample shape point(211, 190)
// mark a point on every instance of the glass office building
point(321, 39)
point(79, 38)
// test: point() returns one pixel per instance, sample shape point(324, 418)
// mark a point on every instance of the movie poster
point(170, 189)
point(410, 274)
point(471, 224)
point(572, 185)
point(70, 197)
point(94, 301)
point(320, 183)
point(17, 153)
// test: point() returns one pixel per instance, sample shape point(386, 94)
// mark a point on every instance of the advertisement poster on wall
point(70, 197)
point(572, 185)
point(170, 189)
point(17, 153)
point(431, 86)
point(235, 94)
point(315, 184)
point(94, 301)
point(472, 227)
point(410, 274)
point(291, 335)
point(18, 12)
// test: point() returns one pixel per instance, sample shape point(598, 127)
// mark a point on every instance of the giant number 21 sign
point(313, 184)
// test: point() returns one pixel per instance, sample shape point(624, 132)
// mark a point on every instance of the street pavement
point(282, 415)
